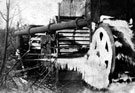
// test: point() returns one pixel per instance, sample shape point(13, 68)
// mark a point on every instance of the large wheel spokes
point(101, 57)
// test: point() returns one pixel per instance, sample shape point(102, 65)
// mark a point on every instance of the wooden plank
point(35, 38)
point(72, 34)
point(73, 46)
point(72, 7)
point(74, 30)
point(73, 43)
point(75, 38)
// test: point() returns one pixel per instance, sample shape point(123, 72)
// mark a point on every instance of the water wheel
point(101, 58)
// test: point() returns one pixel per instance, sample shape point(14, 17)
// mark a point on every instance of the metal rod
point(53, 27)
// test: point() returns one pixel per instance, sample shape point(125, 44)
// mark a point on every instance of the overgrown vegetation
point(10, 54)
point(11, 43)
point(11, 80)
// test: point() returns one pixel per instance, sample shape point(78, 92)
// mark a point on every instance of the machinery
point(84, 43)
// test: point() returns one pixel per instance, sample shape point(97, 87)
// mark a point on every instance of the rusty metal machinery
point(60, 26)
point(73, 49)
point(44, 47)
point(70, 44)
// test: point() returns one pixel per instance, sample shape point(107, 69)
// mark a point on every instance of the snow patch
point(123, 27)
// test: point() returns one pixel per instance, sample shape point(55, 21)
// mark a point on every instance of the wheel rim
point(101, 54)
point(101, 45)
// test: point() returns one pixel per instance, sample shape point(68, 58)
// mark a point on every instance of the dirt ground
point(113, 88)
point(124, 84)
point(77, 87)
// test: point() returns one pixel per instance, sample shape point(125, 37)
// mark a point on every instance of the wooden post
point(88, 16)
point(59, 5)
point(95, 10)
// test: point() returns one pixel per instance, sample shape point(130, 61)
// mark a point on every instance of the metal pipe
point(54, 27)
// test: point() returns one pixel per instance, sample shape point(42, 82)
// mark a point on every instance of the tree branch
point(2, 16)
point(12, 19)
point(17, 13)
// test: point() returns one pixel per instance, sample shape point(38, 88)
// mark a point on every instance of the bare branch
point(2, 16)
point(11, 42)
point(12, 19)
point(17, 13)
point(8, 4)
point(2, 70)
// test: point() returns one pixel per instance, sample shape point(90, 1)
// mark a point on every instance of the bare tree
point(6, 36)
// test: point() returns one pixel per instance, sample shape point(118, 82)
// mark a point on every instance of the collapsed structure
point(79, 40)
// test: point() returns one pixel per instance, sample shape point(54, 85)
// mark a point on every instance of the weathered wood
point(95, 10)
point(72, 8)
